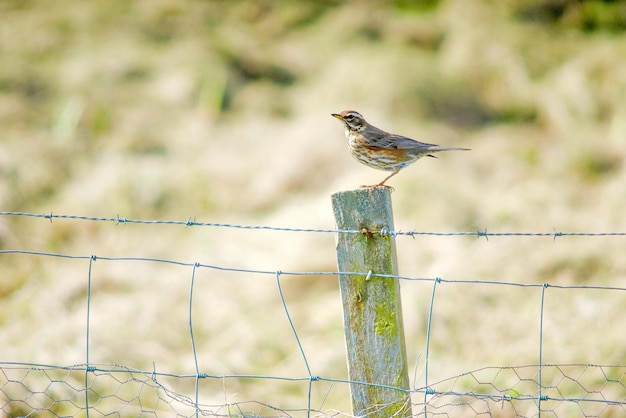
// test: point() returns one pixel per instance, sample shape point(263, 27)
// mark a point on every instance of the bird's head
point(352, 119)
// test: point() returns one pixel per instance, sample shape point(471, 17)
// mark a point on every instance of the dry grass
point(166, 110)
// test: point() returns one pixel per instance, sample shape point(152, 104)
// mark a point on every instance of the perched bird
point(379, 149)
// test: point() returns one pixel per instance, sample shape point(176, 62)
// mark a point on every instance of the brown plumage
point(381, 150)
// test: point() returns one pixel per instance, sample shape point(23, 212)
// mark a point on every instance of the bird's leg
point(382, 183)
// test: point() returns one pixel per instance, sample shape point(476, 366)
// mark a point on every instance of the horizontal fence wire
point(369, 274)
point(88, 389)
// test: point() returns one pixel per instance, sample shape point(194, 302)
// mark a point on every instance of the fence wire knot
point(384, 232)
point(367, 232)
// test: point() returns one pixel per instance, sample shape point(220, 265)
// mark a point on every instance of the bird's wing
point(381, 139)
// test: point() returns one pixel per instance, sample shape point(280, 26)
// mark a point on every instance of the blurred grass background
point(221, 110)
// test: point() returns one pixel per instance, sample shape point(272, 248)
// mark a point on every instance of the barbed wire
point(191, 222)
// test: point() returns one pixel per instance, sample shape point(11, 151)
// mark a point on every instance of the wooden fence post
point(372, 309)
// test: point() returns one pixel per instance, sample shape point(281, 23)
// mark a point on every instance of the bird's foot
point(384, 186)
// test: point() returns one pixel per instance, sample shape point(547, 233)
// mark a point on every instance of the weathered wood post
point(372, 310)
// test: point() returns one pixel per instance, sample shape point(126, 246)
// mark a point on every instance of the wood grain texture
point(372, 309)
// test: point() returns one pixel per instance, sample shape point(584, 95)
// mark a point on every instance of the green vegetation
point(220, 110)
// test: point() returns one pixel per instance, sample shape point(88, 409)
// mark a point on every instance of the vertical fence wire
point(427, 391)
point(540, 367)
point(193, 341)
point(295, 334)
point(92, 259)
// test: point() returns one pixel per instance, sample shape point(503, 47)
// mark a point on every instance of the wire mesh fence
point(116, 390)
point(86, 388)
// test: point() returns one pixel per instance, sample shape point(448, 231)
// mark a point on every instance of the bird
point(381, 150)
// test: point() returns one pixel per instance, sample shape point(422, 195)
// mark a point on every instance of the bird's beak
point(337, 115)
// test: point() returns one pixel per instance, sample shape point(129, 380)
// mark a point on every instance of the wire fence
point(95, 389)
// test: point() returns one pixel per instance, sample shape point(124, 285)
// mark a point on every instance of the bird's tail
point(439, 148)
